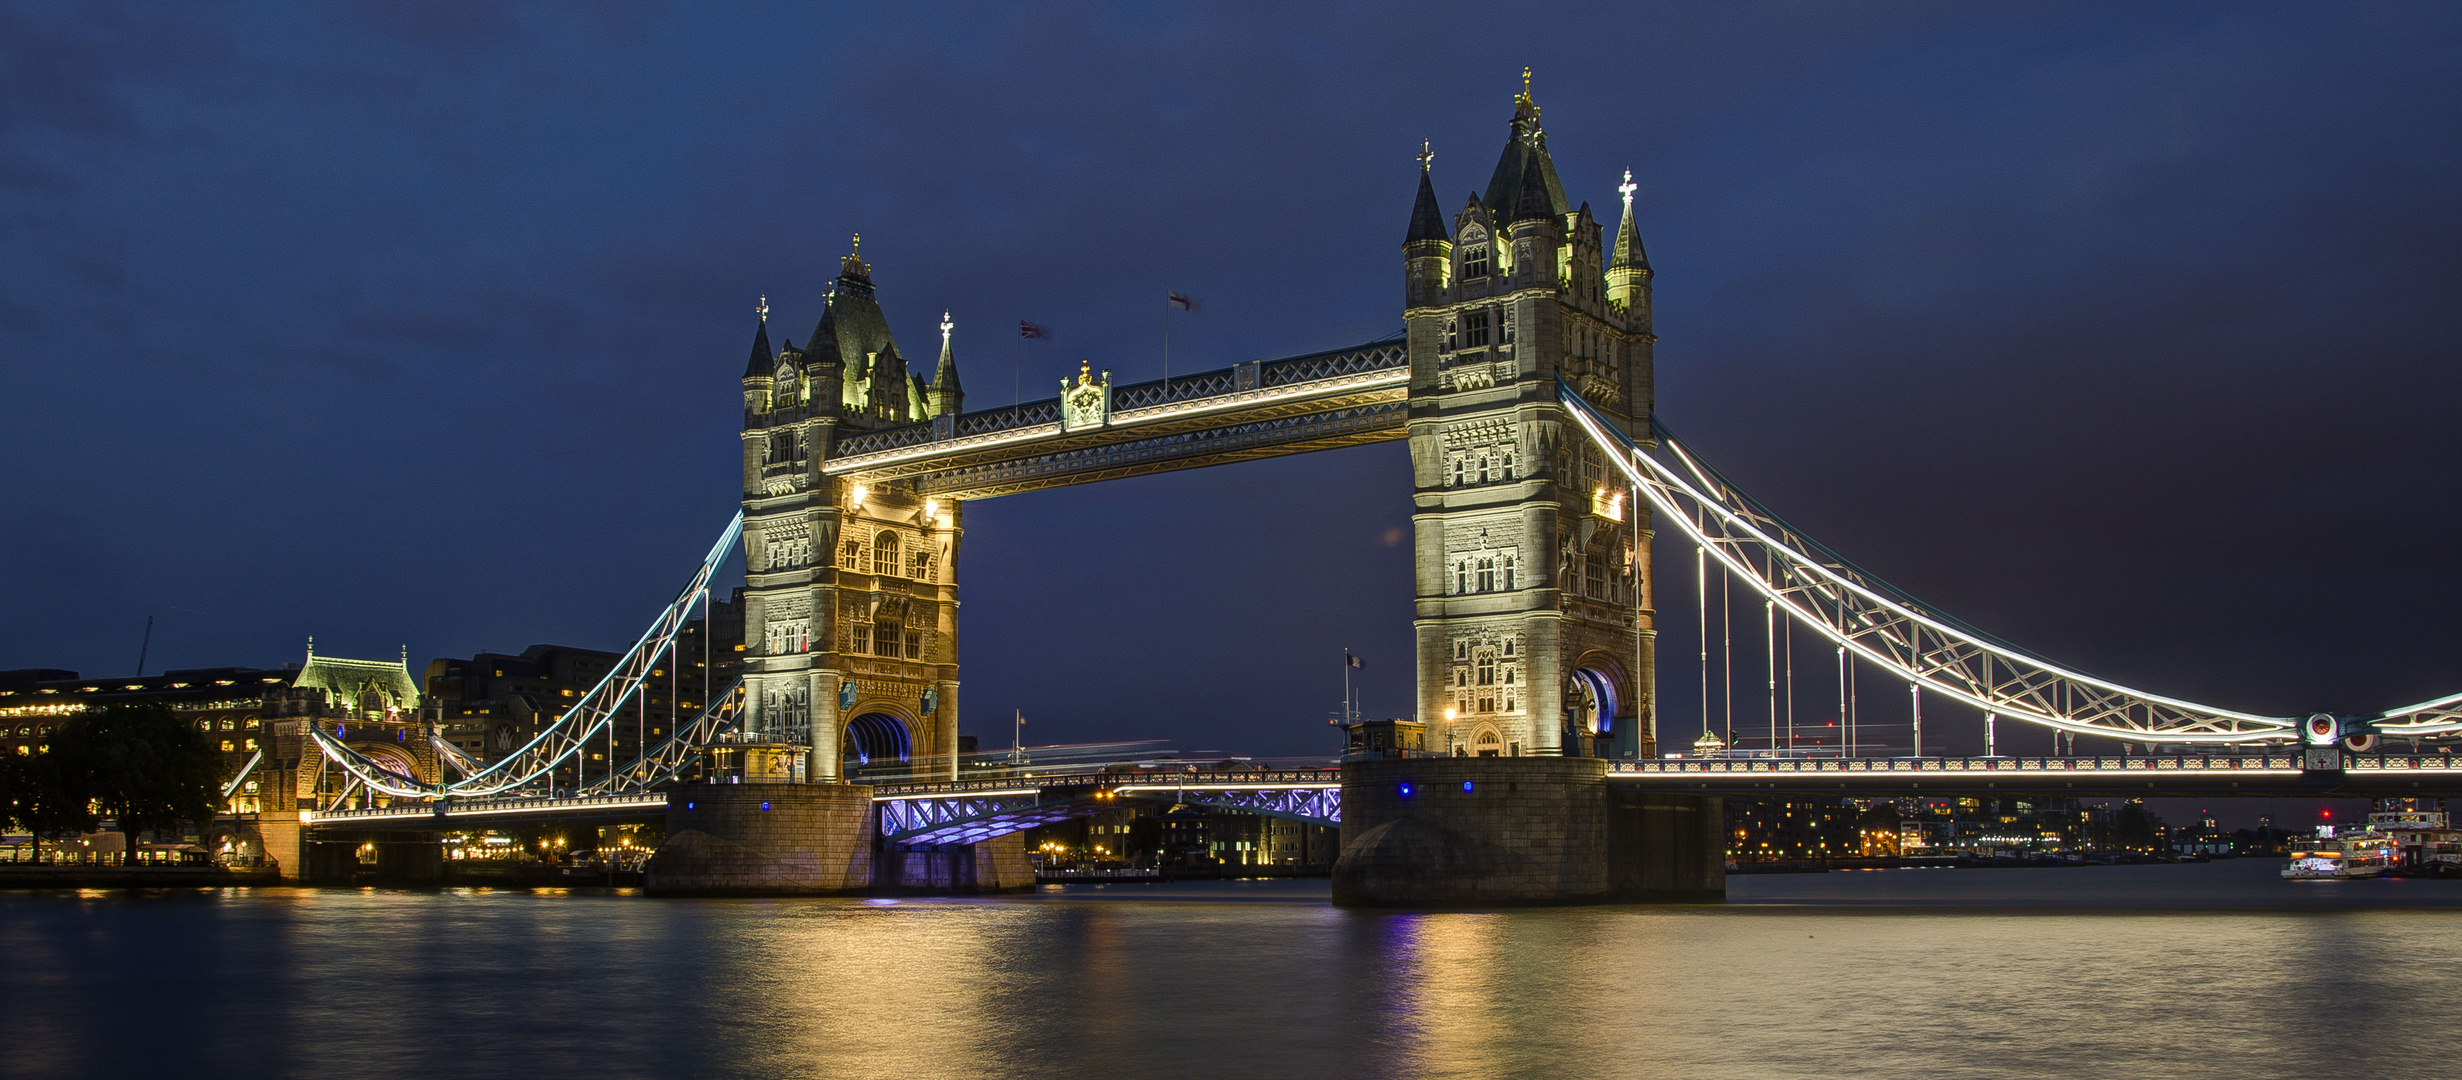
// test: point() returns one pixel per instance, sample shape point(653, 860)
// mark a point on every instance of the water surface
point(2217, 970)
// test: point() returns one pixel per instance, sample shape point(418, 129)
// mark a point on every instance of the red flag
point(1180, 301)
point(1030, 330)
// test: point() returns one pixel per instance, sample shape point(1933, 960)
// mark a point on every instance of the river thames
point(2216, 970)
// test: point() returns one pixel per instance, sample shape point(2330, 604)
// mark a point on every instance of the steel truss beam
point(1885, 626)
point(589, 717)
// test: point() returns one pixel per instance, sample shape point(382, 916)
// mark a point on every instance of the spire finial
point(1426, 155)
point(1525, 109)
point(853, 264)
point(945, 327)
point(764, 309)
point(1525, 80)
point(1626, 189)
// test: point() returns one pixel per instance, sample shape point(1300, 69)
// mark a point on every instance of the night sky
point(2127, 335)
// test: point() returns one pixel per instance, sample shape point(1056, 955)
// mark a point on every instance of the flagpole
point(1166, 345)
point(1349, 714)
point(1017, 375)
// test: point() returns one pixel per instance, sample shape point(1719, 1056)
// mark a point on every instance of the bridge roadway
point(967, 811)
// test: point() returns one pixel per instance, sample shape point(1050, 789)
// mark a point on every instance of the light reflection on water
point(2192, 971)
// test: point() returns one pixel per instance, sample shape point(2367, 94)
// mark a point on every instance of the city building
point(258, 718)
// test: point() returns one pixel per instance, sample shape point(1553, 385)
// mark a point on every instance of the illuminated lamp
point(1465, 787)
point(1406, 789)
point(765, 807)
point(861, 493)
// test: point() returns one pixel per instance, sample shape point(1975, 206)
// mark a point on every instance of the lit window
point(885, 553)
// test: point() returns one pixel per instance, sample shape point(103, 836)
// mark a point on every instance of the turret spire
point(1427, 222)
point(946, 396)
point(1628, 254)
point(762, 358)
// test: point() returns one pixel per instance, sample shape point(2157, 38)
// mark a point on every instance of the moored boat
point(2338, 853)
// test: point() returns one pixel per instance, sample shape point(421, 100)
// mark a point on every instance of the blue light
point(687, 806)
point(764, 807)
point(1465, 787)
point(1406, 790)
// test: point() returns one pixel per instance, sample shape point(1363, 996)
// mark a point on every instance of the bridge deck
point(966, 811)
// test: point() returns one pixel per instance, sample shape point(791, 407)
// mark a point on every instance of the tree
point(144, 766)
point(45, 793)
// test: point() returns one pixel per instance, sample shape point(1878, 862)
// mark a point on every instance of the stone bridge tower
point(850, 620)
point(1533, 593)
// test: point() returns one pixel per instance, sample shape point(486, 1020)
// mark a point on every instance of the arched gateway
point(1530, 551)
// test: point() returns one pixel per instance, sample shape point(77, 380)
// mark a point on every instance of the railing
point(1096, 779)
point(453, 808)
point(2044, 766)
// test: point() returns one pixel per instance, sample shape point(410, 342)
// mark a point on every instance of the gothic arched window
point(1474, 261)
point(885, 553)
point(1508, 573)
point(1487, 575)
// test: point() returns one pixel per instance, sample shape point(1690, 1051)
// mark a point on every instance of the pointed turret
point(946, 397)
point(1427, 220)
point(757, 370)
point(762, 358)
point(1525, 153)
point(1628, 266)
point(1427, 250)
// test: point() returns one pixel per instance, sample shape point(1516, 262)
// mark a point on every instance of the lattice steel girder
point(1314, 805)
point(1885, 626)
point(968, 818)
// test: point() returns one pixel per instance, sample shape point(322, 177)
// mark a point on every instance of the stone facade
point(780, 839)
point(1477, 832)
point(1533, 588)
point(850, 604)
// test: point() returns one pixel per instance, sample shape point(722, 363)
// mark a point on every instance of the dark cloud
point(2122, 332)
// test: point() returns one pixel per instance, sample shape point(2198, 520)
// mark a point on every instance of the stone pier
point(813, 840)
point(1496, 832)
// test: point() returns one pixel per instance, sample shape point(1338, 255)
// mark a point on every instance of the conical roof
point(1427, 222)
point(762, 358)
point(944, 377)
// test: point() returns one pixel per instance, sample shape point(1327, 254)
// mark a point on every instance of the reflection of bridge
point(1541, 473)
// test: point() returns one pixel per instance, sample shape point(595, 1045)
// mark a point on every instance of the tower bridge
point(1540, 473)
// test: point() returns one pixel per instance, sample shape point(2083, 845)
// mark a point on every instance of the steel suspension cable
point(1883, 625)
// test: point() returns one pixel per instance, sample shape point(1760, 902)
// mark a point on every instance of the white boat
point(2337, 853)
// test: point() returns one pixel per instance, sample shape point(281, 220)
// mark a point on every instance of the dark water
point(2191, 971)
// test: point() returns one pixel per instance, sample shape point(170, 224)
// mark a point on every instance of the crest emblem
point(1085, 403)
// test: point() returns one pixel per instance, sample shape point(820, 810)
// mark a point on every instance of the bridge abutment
point(816, 840)
point(1478, 832)
point(764, 839)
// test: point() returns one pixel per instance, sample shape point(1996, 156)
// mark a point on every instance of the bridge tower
point(1533, 590)
point(850, 619)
